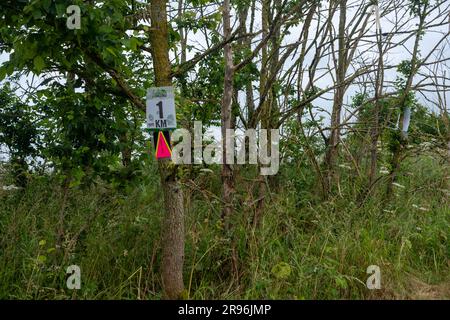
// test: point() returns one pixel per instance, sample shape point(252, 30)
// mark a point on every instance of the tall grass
point(305, 248)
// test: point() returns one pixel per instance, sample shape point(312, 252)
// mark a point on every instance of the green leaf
point(46, 4)
point(30, 50)
point(60, 9)
point(102, 138)
point(111, 51)
point(37, 14)
point(341, 282)
point(281, 270)
point(39, 64)
point(2, 73)
point(132, 43)
point(42, 243)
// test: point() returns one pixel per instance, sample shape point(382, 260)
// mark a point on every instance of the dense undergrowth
point(305, 247)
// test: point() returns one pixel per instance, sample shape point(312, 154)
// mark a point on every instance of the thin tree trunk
point(125, 149)
point(227, 101)
point(265, 106)
point(173, 221)
point(375, 132)
point(332, 151)
point(397, 156)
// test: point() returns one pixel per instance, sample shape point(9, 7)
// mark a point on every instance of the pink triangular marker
point(162, 147)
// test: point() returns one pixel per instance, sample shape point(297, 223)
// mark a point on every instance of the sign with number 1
point(161, 108)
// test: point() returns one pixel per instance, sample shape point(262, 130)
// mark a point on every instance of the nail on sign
point(161, 108)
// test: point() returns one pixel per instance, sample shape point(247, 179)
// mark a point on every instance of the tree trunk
point(375, 131)
point(397, 156)
point(332, 151)
point(173, 221)
point(265, 105)
point(125, 150)
point(227, 101)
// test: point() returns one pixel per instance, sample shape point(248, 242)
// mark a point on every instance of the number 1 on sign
point(159, 104)
point(160, 108)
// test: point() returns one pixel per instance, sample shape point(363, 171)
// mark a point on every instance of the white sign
point(161, 108)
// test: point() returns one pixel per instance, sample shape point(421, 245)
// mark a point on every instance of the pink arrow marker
point(162, 147)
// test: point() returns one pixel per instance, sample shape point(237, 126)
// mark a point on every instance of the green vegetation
point(354, 93)
point(304, 249)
